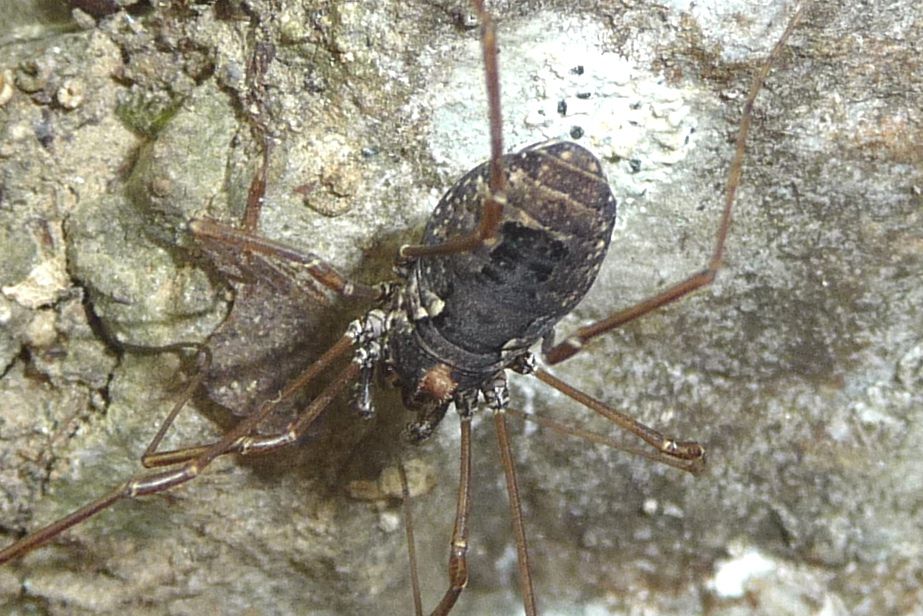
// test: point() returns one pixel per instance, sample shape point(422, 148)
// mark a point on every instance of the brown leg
point(254, 103)
point(211, 231)
point(257, 191)
point(679, 450)
point(519, 531)
point(236, 440)
point(263, 443)
point(693, 467)
point(184, 397)
point(411, 542)
point(573, 344)
point(458, 554)
point(496, 198)
point(245, 239)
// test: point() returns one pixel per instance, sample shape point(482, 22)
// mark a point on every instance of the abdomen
point(553, 237)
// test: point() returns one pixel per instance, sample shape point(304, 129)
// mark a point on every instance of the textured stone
point(799, 369)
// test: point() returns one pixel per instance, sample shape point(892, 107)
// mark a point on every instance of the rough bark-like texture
point(801, 369)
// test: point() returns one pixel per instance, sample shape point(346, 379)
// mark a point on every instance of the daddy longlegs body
point(510, 250)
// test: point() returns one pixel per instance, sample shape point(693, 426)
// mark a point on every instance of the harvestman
point(511, 248)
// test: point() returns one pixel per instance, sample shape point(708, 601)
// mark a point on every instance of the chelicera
point(510, 249)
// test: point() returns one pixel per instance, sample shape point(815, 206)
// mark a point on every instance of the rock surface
point(801, 369)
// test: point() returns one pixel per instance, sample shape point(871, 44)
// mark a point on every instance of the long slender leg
point(260, 59)
point(572, 345)
point(458, 554)
point(496, 198)
point(257, 190)
point(245, 238)
point(680, 450)
point(411, 542)
point(184, 397)
point(260, 444)
point(693, 466)
point(206, 230)
point(519, 530)
point(158, 482)
point(204, 355)
point(263, 443)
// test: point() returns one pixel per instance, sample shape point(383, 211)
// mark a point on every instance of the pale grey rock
point(800, 369)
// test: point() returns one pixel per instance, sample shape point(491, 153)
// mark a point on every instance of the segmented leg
point(257, 190)
point(245, 239)
point(238, 439)
point(519, 530)
point(365, 335)
point(573, 344)
point(496, 198)
point(262, 443)
point(260, 59)
point(206, 230)
point(694, 466)
point(685, 453)
point(458, 554)
point(185, 396)
point(411, 542)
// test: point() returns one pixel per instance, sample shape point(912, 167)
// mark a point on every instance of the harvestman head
point(510, 249)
